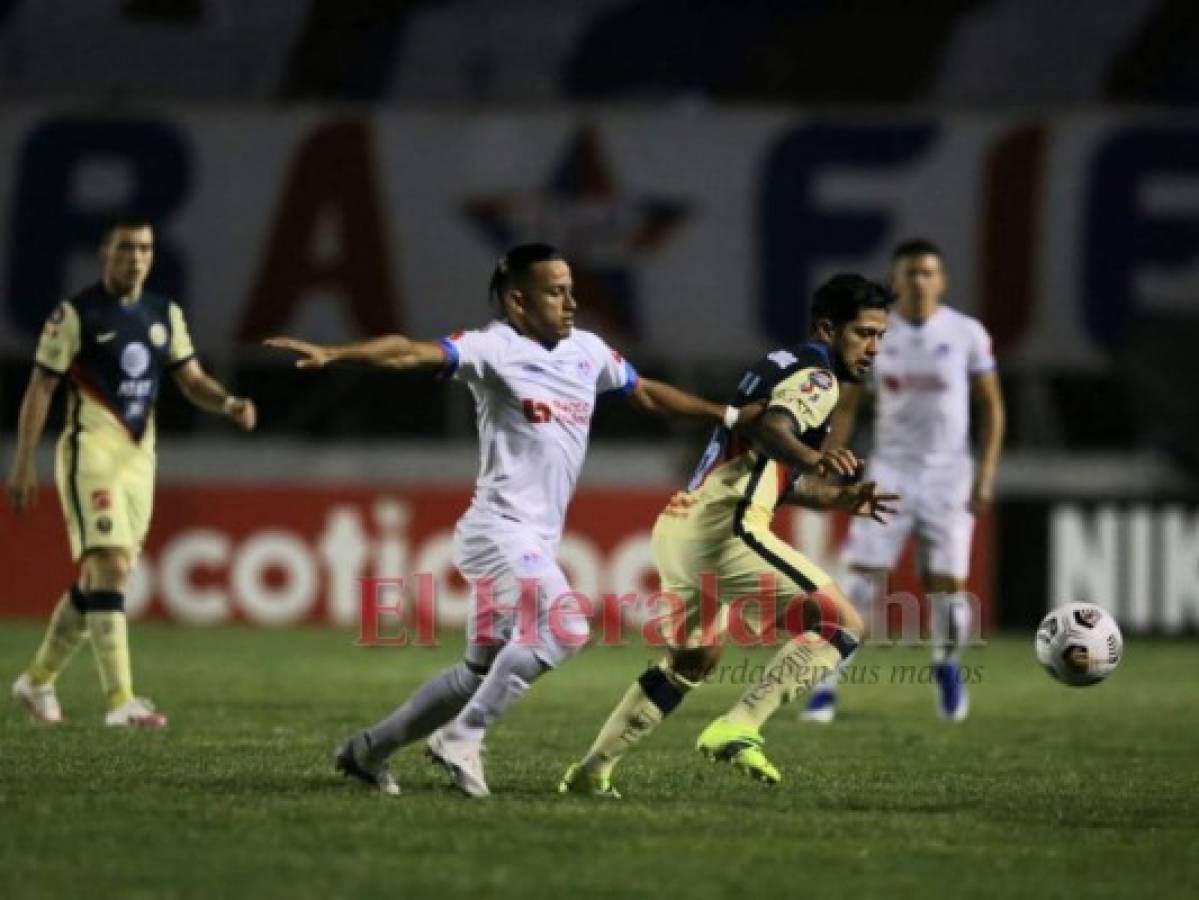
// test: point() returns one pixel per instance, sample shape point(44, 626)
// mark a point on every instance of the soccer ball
point(1079, 644)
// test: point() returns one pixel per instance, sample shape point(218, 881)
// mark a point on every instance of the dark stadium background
point(334, 169)
point(338, 168)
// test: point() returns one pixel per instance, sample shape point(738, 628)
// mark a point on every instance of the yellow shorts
point(106, 487)
point(693, 558)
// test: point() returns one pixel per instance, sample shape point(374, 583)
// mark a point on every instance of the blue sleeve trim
point(630, 380)
point(452, 359)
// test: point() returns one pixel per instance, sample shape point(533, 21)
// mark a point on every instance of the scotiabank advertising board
point(283, 555)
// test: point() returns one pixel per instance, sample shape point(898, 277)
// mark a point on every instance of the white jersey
point(534, 408)
point(922, 377)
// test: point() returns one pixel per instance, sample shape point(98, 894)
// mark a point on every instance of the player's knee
point(695, 663)
point(853, 622)
point(107, 569)
point(565, 632)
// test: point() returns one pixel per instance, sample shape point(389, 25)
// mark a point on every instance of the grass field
point(1045, 791)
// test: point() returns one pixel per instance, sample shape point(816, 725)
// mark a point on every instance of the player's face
point(858, 342)
point(127, 256)
point(546, 301)
point(919, 279)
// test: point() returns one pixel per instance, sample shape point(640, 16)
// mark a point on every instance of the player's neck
point(548, 345)
point(120, 292)
point(915, 312)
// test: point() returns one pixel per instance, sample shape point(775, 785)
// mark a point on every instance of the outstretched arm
point(663, 399)
point(390, 351)
point(204, 391)
point(22, 480)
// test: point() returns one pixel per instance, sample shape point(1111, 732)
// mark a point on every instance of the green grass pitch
point(1046, 791)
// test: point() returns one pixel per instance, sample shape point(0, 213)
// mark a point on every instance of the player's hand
point(865, 500)
point(22, 488)
point(982, 495)
point(312, 356)
point(838, 463)
point(243, 412)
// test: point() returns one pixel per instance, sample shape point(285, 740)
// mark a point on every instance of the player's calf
point(950, 615)
point(655, 694)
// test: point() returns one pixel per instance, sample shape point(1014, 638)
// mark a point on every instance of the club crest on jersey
point(942, 349)
point(135, 359)
point(583, 367)
point(158, 334)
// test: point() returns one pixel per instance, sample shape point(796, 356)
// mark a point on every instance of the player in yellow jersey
point(715, 536)
point(110, 343)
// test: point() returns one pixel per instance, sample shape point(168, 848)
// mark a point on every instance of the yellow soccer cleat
point(578, 780)
point(741, 747)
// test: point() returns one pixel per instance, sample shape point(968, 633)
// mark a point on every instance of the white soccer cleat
point(39, 699)
point(463, 761)
point(352, 760)
point(136, 713)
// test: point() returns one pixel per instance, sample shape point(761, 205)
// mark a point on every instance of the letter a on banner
point(330, 187)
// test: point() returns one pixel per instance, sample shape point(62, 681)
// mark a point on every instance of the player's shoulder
point(86, 299)
point(962, 322)
point(786, 361)
point(495, 333)
point(588, 340)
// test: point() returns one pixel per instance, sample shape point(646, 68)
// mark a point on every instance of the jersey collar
point(834, 364)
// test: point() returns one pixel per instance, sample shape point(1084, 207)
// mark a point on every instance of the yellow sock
point(110, 642)
point(799, 665)
point(63, 635)
point(645, 704)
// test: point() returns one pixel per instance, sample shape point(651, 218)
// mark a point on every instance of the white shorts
point(934, 500)
point(518, 590)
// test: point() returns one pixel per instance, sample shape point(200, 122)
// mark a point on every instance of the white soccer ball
point(1079, 644)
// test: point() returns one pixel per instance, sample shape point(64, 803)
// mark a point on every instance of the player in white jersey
point(535, 380)
point(934, 362)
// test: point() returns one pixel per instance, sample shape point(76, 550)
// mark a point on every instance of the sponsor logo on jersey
point(821, 379)
point(567, 412)
point(135, 359)
point(158, 334)
point(140, 388)
point(929, 382)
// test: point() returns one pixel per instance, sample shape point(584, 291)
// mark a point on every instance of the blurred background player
point(535, 380)
point(112, 342)
point(720, 527)
point(934, 362)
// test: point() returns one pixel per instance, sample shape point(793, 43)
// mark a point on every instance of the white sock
point(950, 625)
point(515, 668)
point(432, 705)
